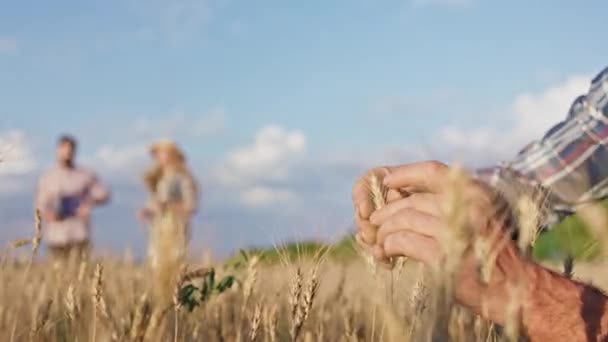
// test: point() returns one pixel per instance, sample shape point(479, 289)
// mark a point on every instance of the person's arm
point(539, 168)
point(551, 307)
point(559, 309)
point(97, 193)
point(190, 195)
point(45, 202)
point(567, 165)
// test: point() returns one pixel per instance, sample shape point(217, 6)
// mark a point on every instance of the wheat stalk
point(310, 293)
point(177, 305)
point(255, 322)
point(35, 243)
point(41, 319)
point(71, 304)
point(271, 322)
point(100, 308)
point(528, 217)
point(248, 286)
point(294, 301)
point(141, 319)
point(20, 243)
point(252, 278)
point(97, 298)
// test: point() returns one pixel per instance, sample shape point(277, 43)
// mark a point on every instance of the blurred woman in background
point(169, 210)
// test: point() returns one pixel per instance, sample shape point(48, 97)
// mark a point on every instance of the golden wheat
point(303, 301)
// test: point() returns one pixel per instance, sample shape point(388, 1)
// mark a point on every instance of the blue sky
point(279, 104)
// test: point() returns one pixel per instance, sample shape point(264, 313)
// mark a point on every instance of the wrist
point(510, 280)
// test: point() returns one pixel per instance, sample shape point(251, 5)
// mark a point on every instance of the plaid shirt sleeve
point(570, 163)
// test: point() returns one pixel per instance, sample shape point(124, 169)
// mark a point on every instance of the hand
point(84, 211)
point(144, 215)
point(416, 226)
point(49, 216)
point(364, 207)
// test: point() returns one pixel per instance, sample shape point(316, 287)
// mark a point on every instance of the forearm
point(559, 309)
point(98, 193)
point(549, 306)
point(100, 197)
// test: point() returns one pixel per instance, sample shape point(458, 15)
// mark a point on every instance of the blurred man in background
point(66, 195)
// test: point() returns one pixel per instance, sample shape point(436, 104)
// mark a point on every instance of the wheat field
point(303, 298)
point(307, 300)
point(113, 300)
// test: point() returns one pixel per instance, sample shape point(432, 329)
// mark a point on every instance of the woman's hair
point(154, 174)
point(152, 177)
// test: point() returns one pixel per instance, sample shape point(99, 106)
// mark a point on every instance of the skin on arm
point(552, 307)
point(98, 193)
point(45, 201)
point(190, 195)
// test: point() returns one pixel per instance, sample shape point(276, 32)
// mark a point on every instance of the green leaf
point(211, 277)
point(187, 297)
point(244, 255)
point(205, 291)
point(225, 284)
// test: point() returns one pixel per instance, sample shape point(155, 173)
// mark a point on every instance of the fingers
point(367, 248)
point(427, 176)
point(423, 202)
point(412, 245)
point(367, 231)
point(393, 195)
point(410, 220)
point(361, 193)
point(361, 200)
point(381, 258)
point(375, 251)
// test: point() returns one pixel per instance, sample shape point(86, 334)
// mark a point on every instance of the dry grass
point(297, 300)
point(337, 308)
point(111, 304)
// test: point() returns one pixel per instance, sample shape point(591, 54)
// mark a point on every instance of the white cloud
point(531, 115)
point(17, 162)
point(131, 156)
point(9, 45)
point(535, 113)
point(269, 157)
point(259, 171)
point(445, 3)
point(16, 156)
